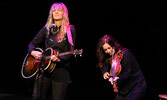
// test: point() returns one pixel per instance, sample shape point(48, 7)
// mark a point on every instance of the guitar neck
point(64, 53)
point(60, 54)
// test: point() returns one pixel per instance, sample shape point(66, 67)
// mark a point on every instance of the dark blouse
point(45, 40)
point(130, 76)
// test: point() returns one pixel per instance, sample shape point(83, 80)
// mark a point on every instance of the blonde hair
point(65, 21)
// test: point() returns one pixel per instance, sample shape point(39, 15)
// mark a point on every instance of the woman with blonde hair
point(59, 35)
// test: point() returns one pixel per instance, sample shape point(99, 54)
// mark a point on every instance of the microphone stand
point(40, 76)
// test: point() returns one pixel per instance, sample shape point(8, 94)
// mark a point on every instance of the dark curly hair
point(101, 57)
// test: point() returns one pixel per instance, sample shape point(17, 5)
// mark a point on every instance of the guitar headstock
point(78, 52)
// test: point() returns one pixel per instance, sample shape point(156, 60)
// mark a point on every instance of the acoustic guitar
point(31, 65)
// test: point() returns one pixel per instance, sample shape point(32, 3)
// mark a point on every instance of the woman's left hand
point(54, 58)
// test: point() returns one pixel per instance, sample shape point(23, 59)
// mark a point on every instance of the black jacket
point(131, 76)
point(45, 40)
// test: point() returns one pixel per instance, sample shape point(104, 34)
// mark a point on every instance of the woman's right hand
point(113, 80)
point(106, 75)
point(36, 54)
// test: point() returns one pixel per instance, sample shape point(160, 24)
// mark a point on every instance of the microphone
point(54, 29)
point(52, 26)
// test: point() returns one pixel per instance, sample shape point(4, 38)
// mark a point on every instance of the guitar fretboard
point(60, 54)
point(64, 53)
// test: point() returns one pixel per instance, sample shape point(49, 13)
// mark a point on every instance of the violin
point(116, 67)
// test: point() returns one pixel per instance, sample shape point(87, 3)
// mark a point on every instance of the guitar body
point(51, 67)
point(31, 65)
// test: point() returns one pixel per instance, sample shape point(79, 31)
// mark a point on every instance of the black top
point(61, 71)
point(130, 76)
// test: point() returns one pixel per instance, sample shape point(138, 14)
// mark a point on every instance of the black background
point(139, 25)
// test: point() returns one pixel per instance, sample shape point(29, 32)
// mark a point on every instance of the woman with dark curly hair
point(120, 68)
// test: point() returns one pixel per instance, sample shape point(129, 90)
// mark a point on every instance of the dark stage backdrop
point(139, 25)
